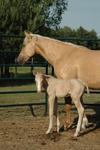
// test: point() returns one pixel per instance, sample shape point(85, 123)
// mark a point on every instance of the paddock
point(20, 130)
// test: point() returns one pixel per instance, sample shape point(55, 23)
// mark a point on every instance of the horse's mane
point(55, 40)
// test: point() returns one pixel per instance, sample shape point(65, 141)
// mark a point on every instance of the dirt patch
point(22, 131)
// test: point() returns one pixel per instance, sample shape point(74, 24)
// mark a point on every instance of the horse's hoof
point(47, 132)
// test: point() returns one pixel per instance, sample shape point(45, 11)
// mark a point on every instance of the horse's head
point(38, 80)
point(28, 49)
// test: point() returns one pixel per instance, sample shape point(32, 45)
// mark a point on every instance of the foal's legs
point(68, 106)
point(80, 109)
point(56, 113)
point(51, 108)
point(85, 120)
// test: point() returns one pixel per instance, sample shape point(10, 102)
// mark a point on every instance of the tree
point(19, 15)
point(37, 16)
point(65, 31)
point(83, 33)
point(79, 36)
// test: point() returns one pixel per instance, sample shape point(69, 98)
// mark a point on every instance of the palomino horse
point(69, 60)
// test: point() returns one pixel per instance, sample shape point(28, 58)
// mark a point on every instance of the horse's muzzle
point(19, 61)
point(16, 61)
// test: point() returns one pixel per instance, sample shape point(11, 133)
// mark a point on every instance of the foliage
point(19, 15)
point(80, 36)
point(37, 16)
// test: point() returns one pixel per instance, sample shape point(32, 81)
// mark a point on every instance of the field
point(20, 130)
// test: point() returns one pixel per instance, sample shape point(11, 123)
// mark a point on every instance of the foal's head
point(38, 80)
point(41, 81)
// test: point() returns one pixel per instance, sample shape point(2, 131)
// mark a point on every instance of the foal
point(61, 88)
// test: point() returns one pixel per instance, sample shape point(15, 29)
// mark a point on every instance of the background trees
point(79, 36)
point(33, 15)
point(38, 16)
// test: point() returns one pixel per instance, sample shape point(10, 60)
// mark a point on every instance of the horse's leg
point(51, 108)
point(68, 106)
point(56, 113)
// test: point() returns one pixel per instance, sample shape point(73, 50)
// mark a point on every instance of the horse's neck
point(51, 50)
point(40, 50)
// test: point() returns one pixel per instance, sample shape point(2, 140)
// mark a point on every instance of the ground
point(19, 130)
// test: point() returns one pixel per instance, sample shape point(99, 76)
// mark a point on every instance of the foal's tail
point(87, 89)
point(86, 86)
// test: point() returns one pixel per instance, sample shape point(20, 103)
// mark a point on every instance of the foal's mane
point(44, 82)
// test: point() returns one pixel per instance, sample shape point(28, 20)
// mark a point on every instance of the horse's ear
point(26, 33)
point(35, 72)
